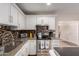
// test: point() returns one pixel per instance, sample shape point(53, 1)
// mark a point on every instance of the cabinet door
point(21, 21)
point(32, 47)
point(39, 20)
point(52, 23)
point(30, 22)
point(42, 20)
point(14, 15)
point(4, 13)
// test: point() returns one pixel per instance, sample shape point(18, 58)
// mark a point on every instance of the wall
point(69, 31)
point(70, 20)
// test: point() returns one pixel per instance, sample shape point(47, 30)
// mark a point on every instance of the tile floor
point(43, 53)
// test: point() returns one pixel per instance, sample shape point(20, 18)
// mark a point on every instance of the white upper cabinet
point(4, 13)
point(52, 23)
point(14, 15)
point(33, 20)
point(17, 17)
point(10, 14)
point(46, 20)
point(21, 21)
point(30, 22)
point(42, 20)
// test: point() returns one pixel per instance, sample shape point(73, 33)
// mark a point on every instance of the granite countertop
point(15, 50)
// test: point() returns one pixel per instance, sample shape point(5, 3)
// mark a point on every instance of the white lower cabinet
point(29, 48)
point(32, 47)
point(23, 51)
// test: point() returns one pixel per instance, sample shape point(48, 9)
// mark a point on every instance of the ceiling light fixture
point(48, 3)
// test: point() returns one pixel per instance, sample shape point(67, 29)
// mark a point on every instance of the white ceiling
point(42, 8)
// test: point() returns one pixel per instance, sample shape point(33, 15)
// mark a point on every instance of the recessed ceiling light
point(48, 3)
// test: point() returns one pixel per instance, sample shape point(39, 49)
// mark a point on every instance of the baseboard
point(71, 43)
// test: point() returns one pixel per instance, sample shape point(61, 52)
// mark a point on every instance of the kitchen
point(18, 31)
point(38, 29)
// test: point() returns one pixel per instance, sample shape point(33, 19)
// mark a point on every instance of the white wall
point(71, 32)
point(65, 17)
